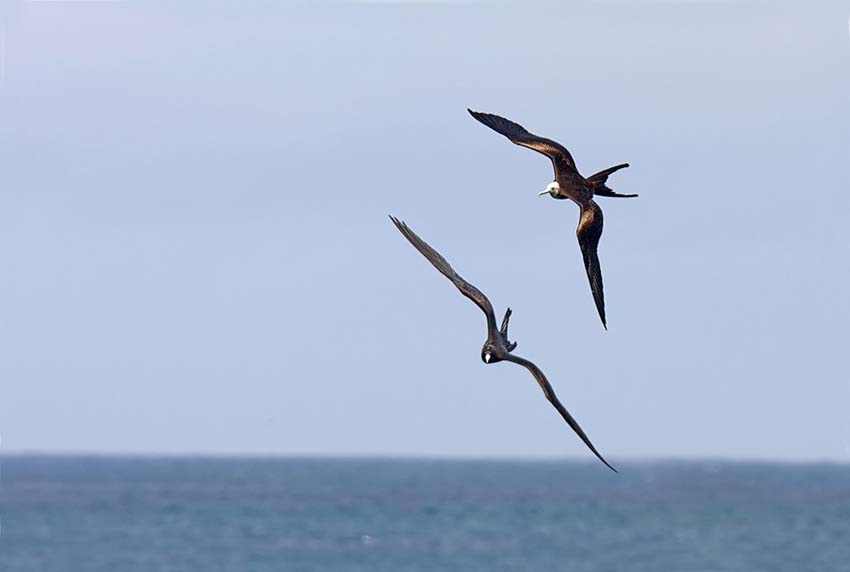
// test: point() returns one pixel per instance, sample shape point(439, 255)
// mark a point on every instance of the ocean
point(139, 514)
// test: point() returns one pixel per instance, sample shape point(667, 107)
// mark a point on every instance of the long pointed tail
point(504, 330)
point(602, 175)
point(598, 180)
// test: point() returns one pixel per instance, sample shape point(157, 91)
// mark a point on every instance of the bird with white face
point(568, 184)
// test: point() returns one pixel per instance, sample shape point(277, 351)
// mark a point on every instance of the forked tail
point(598, 180)
point(504, 330)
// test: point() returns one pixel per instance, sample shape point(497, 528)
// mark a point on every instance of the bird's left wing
point(553, 399)
point(446, 269)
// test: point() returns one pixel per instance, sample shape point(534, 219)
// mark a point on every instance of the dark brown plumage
point(568, 184)
point(497, 347)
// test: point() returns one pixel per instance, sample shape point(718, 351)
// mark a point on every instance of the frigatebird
point(568, 184)
point(497, 347)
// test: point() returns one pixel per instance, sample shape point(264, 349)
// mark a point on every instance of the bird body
point(568, 184)
point(497, 347)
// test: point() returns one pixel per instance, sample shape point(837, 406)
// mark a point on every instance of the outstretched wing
point(588, 232)
point(553, 399)
point(561, 158)
point(445, 268)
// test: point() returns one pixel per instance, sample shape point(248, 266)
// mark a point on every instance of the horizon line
point(224, 456)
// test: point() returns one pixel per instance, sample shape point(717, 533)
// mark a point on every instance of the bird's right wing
point(553, 399)
point(589, 232)
point(562, 161)
point(446, 269)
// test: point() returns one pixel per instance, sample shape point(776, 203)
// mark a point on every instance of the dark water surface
point(98, 514)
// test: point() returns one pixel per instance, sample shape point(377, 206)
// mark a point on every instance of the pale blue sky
point(195, 254)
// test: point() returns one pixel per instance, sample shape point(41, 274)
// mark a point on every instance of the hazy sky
point(195, 254)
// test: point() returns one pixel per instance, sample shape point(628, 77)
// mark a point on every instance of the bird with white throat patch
point(568, 184)
point(497, 347)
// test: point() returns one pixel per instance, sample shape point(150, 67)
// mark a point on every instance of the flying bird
point(568, 184)
point(497, 347)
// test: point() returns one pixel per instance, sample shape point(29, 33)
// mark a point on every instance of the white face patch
point(552, 188)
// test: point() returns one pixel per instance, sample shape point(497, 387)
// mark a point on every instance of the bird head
point(552, 189)
point(488, 354)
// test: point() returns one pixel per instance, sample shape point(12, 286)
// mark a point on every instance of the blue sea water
point(101, 514)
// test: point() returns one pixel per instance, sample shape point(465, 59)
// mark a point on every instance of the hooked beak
point(543, 192)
